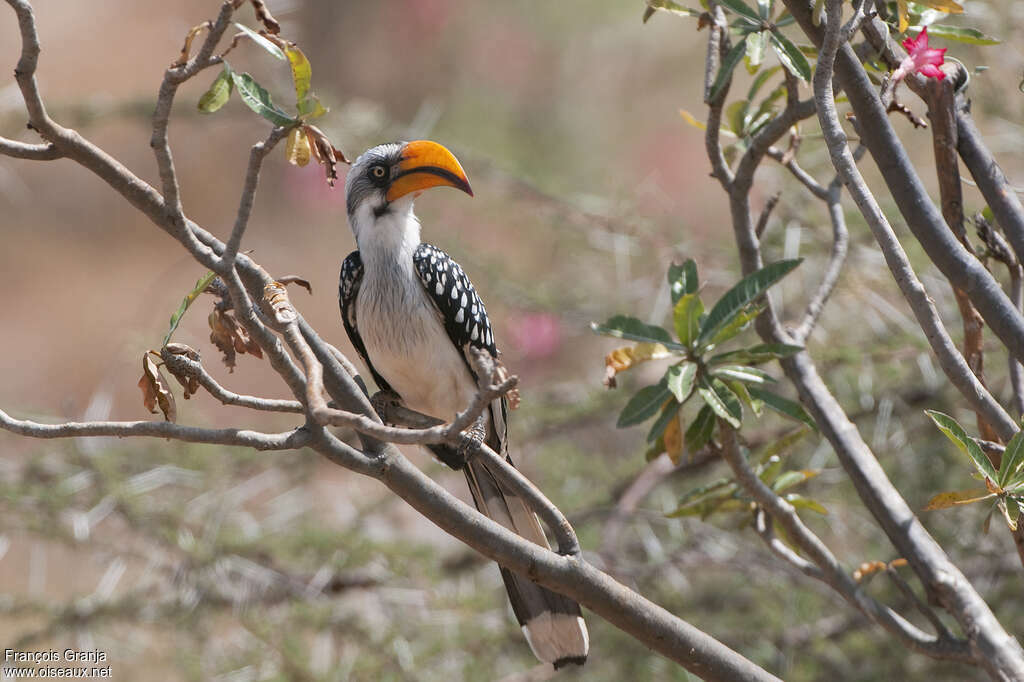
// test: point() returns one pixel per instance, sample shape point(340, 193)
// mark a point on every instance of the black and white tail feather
point(552, 623)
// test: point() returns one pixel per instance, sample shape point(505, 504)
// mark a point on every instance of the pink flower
point(537, 335)
point(920, 58)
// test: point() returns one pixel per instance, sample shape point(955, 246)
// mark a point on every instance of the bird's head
point(389, 177)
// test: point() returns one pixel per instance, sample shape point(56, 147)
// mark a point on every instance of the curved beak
point(427, 164)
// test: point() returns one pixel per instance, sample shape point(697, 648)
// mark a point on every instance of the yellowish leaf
point(298, 151)
point(942, 5)
point(696, 123)
point(627, 357)
point(904, 18)
point(155, 390)
point(673, 437)
point(956, 497)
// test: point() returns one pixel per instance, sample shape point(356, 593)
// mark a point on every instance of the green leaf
point(764, 8)
point(737, 298)
point(725, 70)
point(682, 279)
point(704, 500)
point(199, 288)
point(721, 400)
point(670, 7)
point(680, 380)
point(742, 9)
point(791, 56)
point(757, 42)
point(783, 406)
point(956, 433)
point(738, 324)
point(643, 405)
point(1010, 510)
point(760, 80)
point(626, 327)
point(736, 114)
point(955, 498)
point(801, 502)
point(219, 92)
point(302, 72)
point(788, 479)
point(1013, 461)
point(263, 42)
point(781, 446)
point(668, 412)
point(686, 316)
point(740, 389)
point(749, 375)
point(758, 354)
point(258, 99)
point(700, 430)
point(960, 34)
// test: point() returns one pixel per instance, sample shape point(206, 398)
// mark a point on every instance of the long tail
point(552, 623)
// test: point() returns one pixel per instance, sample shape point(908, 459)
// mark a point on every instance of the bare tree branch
point(288, 440)
point(184, 366)
point(33, 152)
point(827, 566)
point(950, 359)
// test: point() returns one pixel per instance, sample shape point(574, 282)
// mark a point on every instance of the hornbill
point(412, 315)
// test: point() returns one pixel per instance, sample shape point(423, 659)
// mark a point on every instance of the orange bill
point(427, 164)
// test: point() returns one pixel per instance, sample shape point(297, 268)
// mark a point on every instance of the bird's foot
point(471, 438)
point(383, 401)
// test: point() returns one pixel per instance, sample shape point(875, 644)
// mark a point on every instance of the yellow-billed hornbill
point(412, 315)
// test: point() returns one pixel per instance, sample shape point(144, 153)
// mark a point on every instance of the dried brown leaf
point(265, 18)
point(231, 338)
point(155, 390)
point(276, 297)
point(187, 47)
point(189, 381)
point(501, 375)
point(627, 357)
point(295, 279)
point(324, 152)
point(673, 438)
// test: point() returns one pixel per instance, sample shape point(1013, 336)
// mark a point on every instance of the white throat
point(390, 237)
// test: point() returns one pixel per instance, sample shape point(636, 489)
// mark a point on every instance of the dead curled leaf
point(325, 153)
point(627, 357)
point(231, 338)
point(188, 381)
point(155, 390)
point(276, 297)
point(295, 279)
point(501, 375)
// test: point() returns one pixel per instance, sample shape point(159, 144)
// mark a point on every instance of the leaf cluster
point(1004, 484)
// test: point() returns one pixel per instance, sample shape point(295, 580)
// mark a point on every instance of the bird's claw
point(471, 438)
point(383, 401)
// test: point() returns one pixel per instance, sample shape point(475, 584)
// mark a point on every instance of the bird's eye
point(378, 172)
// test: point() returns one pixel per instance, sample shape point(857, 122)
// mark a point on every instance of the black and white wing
point(465, 318)
point(348, 288)
point(551, 622)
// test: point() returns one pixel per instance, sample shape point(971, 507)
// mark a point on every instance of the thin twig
point(32, 152)
point(827, 565)
point(185, 366)
point(288, 440)
point(950, 359)
point(258, 152)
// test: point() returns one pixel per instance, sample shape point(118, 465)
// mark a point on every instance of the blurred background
point(203, 563)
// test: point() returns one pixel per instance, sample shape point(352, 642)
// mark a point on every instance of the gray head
point(388, 172)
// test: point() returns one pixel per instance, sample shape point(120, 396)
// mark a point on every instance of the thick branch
point(828, 566)
point(950, 359)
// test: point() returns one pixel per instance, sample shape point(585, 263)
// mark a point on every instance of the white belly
point(408, 346)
